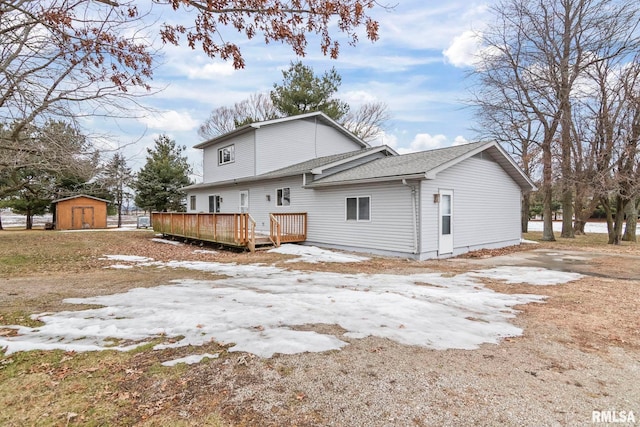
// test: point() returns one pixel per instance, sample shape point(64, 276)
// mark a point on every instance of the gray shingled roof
point(312, 164)
point(297, 169)
point(403, 165)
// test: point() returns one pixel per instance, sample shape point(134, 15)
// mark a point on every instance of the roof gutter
point(369, 180)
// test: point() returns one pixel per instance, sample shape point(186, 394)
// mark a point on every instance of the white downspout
point(414, 214)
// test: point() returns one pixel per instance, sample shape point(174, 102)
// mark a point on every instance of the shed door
point(445, 241)
point(81, 217)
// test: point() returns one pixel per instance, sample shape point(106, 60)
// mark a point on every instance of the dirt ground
point(579, 353)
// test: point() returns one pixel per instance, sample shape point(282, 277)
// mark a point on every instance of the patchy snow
point(191, 360)
point(126, 258)
point(120, 267)
point(313, 254)
point(260, 308)
point(531, 242)
point(205, 251)
point(589, 228)
point(168, 242)
point(527, 275)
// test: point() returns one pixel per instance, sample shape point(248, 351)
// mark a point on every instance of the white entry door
point(445, 241)
point(244, 201)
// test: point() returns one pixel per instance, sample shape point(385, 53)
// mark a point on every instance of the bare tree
point(62, 59)
point(367, 121)
point(285, 21)
point(258, 107)
point(535, 53)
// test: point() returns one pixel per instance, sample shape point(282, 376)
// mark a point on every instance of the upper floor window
point(358, 208)
point(226, 154)
point(283, 196)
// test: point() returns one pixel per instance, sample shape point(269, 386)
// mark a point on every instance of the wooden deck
point(237, 229)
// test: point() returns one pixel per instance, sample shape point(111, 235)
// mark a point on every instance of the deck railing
point(237, 229)
point(288, 227)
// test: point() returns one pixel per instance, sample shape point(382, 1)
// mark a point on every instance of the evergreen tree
point(302, 91)
point(34, 195)
point(58, 162)
point(159, 183)
point(116, 178)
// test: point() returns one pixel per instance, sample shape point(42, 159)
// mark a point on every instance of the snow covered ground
point(590, 227)
point(10, 220)
point(259, 307)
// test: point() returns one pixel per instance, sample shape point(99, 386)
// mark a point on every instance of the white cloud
point(463, 49)
point(384, 138)
point(425, 141)
point(210, 71)
point(170, 121)
point(358, 97)
point(460, 140)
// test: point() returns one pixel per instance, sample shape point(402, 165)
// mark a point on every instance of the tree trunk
point(29, 220)
point(524, 219)
point(567, 209)
point(547, 191)
point(615, 232)
point(583, 211)
point(607, 210)
point(578, 224)
point(630, 226)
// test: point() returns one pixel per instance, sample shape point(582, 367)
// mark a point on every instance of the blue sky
point(417, 67)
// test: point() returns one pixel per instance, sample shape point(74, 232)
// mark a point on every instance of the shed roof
point(81, 195)
point(318, 115)
point(425, 164)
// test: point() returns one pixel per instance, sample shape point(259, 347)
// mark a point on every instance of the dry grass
point(574, 355)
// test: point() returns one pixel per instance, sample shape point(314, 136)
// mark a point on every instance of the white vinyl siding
point(390, 228)
point(301, 140)
point(486, 209)
point(243, 164)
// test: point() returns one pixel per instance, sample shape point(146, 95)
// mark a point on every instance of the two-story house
point(435, 203)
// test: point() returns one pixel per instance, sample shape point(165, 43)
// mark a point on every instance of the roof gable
point(252, 127)
point(426, 165)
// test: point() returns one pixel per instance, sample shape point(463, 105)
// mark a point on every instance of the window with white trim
point(226, 154)
point(283, 196)
point(214, 203)
point(192, 203)
point(358, 208)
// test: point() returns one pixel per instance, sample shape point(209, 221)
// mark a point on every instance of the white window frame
point(346, 208)
point(231, 150)
point(280, 200)
point(192, 202)
point(217, 203)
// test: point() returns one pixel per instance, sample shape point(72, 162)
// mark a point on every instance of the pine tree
point(302, 91)
point(117, 178)
point(160, 181)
